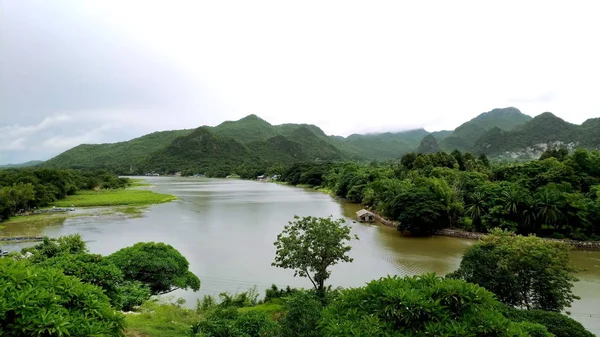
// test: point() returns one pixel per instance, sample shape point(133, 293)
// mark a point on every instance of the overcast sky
point(78, 71)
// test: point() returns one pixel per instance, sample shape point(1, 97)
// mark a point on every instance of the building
point(365, 216)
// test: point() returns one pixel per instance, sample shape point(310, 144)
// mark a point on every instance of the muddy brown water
point(226, 229)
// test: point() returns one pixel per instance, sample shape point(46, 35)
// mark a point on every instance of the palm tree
point(512, 198)
point(548, 208)
point(476, 210)
point(529, 215)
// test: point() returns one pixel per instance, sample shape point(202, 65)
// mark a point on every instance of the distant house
point(365, 216)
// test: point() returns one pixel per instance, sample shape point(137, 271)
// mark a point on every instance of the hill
point(532, 138)
point(253, 143)
point(122, 157)
point(464, 137)
point(26, 164)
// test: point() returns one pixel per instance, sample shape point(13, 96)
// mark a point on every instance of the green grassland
point(122, 197)
point(160, 320)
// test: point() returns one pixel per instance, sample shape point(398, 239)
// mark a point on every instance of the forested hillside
point(465, 136)
point(252, 144)
point(532, 138)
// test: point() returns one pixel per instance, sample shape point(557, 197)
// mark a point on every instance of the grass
point(273, 308)
point(160, 320)
point(38, 219)
point(139, 183)
point(121, 197)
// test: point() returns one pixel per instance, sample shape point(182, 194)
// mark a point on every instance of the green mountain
point(465, 136)
point(199, 151)
point(26, 164)
point(252, 142)
point(116, 156)
point(532, 138)
point(383, 146)
point(428, 145)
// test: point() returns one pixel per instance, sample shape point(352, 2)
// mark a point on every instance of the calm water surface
point(226, 228)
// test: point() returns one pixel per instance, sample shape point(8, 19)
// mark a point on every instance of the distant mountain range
point(252, 141)
point(26, 164)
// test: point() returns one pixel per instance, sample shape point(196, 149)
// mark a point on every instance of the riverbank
point(458, 233)
point(124, 202)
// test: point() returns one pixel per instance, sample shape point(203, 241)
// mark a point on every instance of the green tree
point(158, 265)
point(420, 306)
point(477, 209)
point(310, 246)
point(525, 272)
point(36, 301)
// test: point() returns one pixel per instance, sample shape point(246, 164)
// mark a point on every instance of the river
point(226, 229)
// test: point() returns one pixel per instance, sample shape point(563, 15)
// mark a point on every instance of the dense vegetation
point(558, 196)
point(27, 188)
point(251, 144)
point(523, 272)
point(58, 288)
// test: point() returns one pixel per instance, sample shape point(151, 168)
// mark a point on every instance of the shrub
point(36, 301)
point(556, 323)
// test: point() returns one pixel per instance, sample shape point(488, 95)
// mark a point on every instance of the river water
point(226, 229)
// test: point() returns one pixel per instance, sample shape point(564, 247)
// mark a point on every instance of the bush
point(230, 322)
point(420, 306)
point(556, 323)
point(302, 312)
point(36, 301)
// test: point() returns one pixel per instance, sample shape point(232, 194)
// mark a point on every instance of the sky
point(75, 72)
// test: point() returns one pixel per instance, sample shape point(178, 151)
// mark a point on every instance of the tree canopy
point(525, 272)
point(311, 245)
point(158, 265)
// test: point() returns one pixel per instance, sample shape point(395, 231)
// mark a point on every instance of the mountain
point(428, 145)
point(26, 164)
point(116, 156)
point(464, 137)
point(383, 146)
point(200, 150)
point(254, 143)
point(532, 138)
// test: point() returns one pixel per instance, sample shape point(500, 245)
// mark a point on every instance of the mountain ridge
point(253, 142)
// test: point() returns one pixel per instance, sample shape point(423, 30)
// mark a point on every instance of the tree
point(36, 301)
point(158, 265)
point(310, 246)
point(525, 272)
point(476, 210)
point(420, 306)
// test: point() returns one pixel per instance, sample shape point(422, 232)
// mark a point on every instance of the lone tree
point(523, 271)
point(311, 245)
point(158, 265)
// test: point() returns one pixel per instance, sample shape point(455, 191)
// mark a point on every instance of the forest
point(27, 188)
point(556, 196)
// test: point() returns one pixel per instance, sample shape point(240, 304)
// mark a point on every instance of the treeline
point(557, 196)
point(27, 188)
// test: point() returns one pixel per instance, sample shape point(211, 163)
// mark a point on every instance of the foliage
point(302, 313)
point(226, 322)
point(426, 192)
point(158, 265)
point(558, 324)
point(25, 189)
point(310, 246)
point(525, 272)
point(36, 301)
point(70, 255)
point(160, 319)
point(420, 306)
